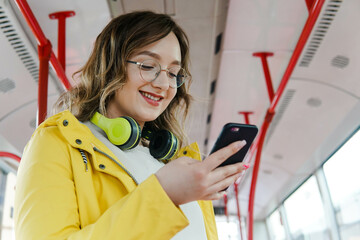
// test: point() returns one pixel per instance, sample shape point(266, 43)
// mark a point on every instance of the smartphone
point(233, 132)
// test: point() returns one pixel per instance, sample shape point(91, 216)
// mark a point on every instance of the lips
point(151, 98)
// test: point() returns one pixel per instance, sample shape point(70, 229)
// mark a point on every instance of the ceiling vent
point(319, 33)
point(6, 85)
point(288, 96)
point(340, 61)
point(18, 45)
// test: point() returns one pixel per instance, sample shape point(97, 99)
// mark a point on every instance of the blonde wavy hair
point(105, 70)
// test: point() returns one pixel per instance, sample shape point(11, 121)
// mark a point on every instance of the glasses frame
point(161, 69)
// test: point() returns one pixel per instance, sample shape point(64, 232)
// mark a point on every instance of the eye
point(173, 72)
point(147, 67)
point(172, 75)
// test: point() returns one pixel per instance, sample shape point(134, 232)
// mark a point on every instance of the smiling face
point(141, 100)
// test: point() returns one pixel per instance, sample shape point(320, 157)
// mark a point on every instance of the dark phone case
point(228, 135)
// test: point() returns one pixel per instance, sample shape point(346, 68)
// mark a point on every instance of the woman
point(74, 182)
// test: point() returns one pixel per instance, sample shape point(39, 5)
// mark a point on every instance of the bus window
point(342, 175)
point(228, 229)
point(275, 226)
point(7, 228)
point(305, 213)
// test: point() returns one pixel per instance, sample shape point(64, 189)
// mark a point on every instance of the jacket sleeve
point(46, 203)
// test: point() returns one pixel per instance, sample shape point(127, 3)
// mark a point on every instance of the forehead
point(166, 50)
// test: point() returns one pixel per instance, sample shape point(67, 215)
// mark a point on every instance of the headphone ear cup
point(163, 145)
point(135, 134)
point(124, 132)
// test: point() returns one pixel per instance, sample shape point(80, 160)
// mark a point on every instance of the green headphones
point(125, 133)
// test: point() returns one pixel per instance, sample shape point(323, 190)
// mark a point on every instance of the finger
point(224, 184)
point(218, 157)
point(221, 173)
point(184, 160)
point(215, 196)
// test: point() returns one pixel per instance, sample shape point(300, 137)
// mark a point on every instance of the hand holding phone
point(232, 132)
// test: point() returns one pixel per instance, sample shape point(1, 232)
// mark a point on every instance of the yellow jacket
point(61, 195)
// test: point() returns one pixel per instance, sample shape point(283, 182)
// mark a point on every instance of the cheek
point(172, 93)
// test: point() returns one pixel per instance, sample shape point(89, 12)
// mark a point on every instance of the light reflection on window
point(305, 212)
point(343, 178)
point(276, 227)
point(7, 229)
point(227, 230)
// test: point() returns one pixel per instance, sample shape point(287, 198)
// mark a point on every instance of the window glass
point(7, 229)
point(305, 213)
point(275, 226)
point(343, 179)
point(227, 229)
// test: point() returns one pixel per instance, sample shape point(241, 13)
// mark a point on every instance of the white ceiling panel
point(152, 5)
point(314, 111)
point(22, 73)
point(81, 29)
point(339, 42)
point(263, 25)
point(22, 122)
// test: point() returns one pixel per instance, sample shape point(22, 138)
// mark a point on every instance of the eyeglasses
point(150, 70)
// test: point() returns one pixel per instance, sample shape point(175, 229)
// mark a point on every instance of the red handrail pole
point(225, 208)
point(309, 4)
point(31, 20)
point(10, 155)
point(41, 39)
point(44, 57)
point(61, 16)
point(59, 71)
point(313, 15)
point(236, 185)
point(238, 209)
point(250, 218)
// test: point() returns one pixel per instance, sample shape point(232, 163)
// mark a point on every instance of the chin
point(148, 118)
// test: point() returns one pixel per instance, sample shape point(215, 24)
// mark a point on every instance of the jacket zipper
point(84, 159)
point(99, 151)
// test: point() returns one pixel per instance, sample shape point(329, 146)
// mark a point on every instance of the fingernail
point(223, 193)
point(240, 144)
point(246, 166)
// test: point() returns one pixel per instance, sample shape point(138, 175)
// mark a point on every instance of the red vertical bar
point(61, 16)
point(263, 56)
point(246, 116)
point(61, 42)
point(263, 131)
point(247, 121)
point(44, 57)
point(225, 208)
point(238, 209)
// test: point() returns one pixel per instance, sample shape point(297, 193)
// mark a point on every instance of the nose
point(162, 80)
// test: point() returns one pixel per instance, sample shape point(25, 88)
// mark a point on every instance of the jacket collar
point(79, 136)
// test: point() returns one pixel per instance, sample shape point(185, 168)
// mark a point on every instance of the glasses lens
point(149, 69)
point(177, 76)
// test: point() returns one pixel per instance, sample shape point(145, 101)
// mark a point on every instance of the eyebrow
point(157, 56)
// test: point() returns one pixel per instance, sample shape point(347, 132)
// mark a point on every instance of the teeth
point(150, 96)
